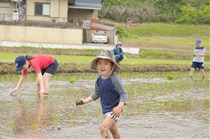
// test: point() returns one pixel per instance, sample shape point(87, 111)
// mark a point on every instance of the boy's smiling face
point(104, 67)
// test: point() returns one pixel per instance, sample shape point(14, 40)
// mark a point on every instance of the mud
point(181, 113)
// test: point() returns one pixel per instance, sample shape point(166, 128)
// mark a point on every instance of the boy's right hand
point(79, 102)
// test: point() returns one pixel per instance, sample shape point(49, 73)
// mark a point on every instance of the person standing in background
point(198, 59)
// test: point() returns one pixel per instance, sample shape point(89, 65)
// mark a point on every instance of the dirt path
point(82, 46)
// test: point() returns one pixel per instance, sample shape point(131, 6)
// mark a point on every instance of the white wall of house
point(80, 14)
point(60, 8)
point(6, 10)
point(40, 35)
point(57, 10)
point(95, 14)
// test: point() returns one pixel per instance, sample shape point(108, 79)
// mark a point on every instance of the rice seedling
point(32, 103)
point(33, 126)
point(11, 123)
point(73, 120)
point(169, 76)
point(72, 80)
point(55, 123)
point(85, 114)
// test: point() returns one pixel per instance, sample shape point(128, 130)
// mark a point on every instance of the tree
point(188, 14)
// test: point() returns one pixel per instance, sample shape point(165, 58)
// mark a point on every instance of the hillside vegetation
point(164, 41)
point(141, 11)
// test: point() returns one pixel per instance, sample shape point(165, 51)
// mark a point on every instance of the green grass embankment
point(165, 41)
point(10, 57)
point(72, 64)
point(163, 35)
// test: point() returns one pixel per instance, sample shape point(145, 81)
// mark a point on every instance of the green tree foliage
point(205, 14)
point(122, 33)
point(180, 11)
point(190, 14)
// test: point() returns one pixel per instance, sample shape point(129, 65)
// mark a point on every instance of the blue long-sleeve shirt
point(118, 51)
point(111, 92)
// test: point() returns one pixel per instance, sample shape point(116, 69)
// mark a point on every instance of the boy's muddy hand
point(79, 102)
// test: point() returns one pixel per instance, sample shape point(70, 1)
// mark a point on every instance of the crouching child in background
point(118, 52)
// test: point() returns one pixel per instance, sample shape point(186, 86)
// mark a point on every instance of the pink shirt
point(39, 62)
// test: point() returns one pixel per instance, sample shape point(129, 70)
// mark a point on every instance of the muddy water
point(155, 109)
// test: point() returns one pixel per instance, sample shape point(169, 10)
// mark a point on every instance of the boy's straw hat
point(105, 54)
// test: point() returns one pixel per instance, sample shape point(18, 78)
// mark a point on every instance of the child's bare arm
point(22, 78)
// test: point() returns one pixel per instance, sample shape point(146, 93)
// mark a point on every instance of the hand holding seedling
point(82, 101)
point(79, 102)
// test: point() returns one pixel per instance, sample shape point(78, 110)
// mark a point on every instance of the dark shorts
point(51, 69)
point(197, 65)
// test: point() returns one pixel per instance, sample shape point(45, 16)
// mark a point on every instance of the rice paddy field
point(160, 105)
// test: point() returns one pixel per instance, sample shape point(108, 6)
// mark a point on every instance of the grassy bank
point(10, 57)
point(165, 41)
point(9, 68)
point(164, 29)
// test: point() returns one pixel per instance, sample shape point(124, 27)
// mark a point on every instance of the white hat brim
point(93, 63)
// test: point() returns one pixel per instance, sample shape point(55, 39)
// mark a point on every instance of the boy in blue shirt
point(118, 52)
point(198, 59)
point(111, 91)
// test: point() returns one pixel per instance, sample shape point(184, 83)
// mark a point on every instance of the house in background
point(83, 10)
point(78, 13)
point(8, 9)
point(47, 11)
point(58, 11)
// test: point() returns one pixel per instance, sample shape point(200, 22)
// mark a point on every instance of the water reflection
point(31, 117)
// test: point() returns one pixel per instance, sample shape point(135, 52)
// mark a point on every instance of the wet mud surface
point(156, 108)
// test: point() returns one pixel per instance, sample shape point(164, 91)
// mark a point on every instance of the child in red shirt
point(44, 65)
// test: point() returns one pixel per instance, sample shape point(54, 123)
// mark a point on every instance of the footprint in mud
point(56, 128)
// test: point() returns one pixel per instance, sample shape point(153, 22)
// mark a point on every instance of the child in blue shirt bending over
point(111, 91)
